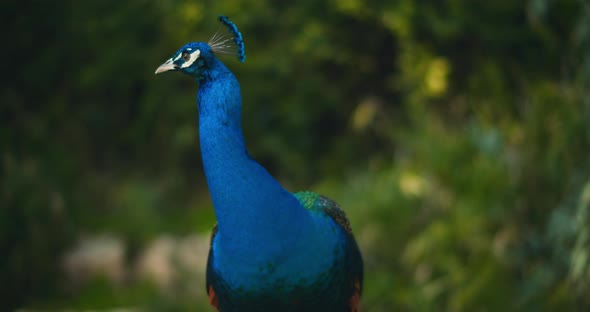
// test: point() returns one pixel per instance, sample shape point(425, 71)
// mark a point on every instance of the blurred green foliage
point(456, 134)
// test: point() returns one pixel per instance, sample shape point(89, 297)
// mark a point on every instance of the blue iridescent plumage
point(271, 249)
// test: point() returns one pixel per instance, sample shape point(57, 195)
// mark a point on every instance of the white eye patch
point(193, 57)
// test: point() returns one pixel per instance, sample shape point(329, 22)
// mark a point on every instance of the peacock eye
point(186, 56)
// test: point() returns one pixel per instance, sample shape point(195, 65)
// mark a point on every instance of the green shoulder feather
point(316, 202)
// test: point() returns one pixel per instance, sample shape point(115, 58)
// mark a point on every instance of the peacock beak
point(167, 66)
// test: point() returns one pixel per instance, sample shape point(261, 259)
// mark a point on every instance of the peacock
point(271, 250)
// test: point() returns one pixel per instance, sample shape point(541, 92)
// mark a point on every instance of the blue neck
point(257, 218)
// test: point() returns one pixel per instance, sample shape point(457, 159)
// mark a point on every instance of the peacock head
point(195, 58)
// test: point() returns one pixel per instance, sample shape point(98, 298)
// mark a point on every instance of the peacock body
point(271, 250)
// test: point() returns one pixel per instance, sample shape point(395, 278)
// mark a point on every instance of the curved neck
point(250, 205)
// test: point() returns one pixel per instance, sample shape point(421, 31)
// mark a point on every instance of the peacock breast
point(305, 278)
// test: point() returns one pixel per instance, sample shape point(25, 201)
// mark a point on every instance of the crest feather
point(228, 40)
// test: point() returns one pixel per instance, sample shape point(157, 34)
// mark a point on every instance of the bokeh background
point(456, 135)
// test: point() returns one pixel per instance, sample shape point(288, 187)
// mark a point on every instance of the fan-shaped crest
point(228, 40)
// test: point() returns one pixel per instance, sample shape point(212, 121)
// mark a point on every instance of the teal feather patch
point(319, 203)
point(307, 199)
point(316, 202)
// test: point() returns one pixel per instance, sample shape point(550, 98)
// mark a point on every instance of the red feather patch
point(353, 302)
point(213, 301)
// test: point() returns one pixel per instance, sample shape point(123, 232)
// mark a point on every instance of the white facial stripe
point(194, 56)
point(177, 57)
